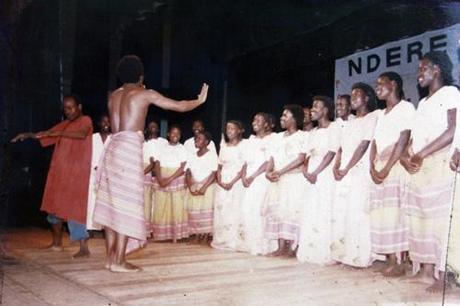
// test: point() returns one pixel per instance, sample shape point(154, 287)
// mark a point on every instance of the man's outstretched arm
point(163, 102)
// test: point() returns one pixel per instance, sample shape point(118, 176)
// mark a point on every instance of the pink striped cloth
point(200, 211)
point(177, 184)
point(389, 225)
point(120, 195)
point(275, 230)
point(428, 208)
point(148, 179)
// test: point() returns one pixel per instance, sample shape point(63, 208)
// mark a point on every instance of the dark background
point(256, 56)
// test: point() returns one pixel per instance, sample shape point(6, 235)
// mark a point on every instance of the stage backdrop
point(399, 56)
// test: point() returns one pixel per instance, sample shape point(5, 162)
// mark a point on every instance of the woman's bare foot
point(276, 253)
point(124, 268)
point(193, 239)
point(381, 268)
point(348, 267)
point(82, 253)
point(438, 286)
point(420, 277)
point(394, 271)
point(205, 239)
point(290, 253)
point(201, 239)
point(337, 263)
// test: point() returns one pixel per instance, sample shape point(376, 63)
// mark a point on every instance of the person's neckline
point(434, 93)
point(265, 135)
point(287, 134)
point(198, 153)
point(228, 144)
point(386, 111)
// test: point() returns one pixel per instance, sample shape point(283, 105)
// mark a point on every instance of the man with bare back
point(120, 196)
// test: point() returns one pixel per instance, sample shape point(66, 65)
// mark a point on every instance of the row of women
point(376, 185)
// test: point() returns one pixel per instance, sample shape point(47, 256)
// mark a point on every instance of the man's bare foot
point(109, 261)
point(53, 247)
point(394, 271)
point(81, 254)
point(124, 268)
point(438, 286)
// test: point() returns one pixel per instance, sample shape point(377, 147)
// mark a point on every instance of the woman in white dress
point(288, 185)
point(151, 150)
point(427, 161)
point(389, 226)
point(200, 178)
point(321, 147)
point(350, 212)
point(170, 217)
point(227, 231)
point(255, 156)
point(453, 256)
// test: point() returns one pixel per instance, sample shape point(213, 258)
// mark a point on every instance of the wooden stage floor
point(182, 274)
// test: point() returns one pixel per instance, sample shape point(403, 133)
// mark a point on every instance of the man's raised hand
point(203, 94)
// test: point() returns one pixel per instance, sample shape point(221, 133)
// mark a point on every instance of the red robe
point(66, 190)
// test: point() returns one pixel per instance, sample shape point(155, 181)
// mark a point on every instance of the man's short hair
point(74, 97)
point(130, 69)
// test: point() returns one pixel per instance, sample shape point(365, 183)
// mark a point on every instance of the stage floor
point(180, 274)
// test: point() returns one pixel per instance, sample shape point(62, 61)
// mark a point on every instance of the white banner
point(400, 56)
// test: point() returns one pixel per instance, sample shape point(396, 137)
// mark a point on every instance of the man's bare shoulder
point(129, 95)
point(148, 96)
point(142, 95)
point(151, 94)
point(116, 94)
